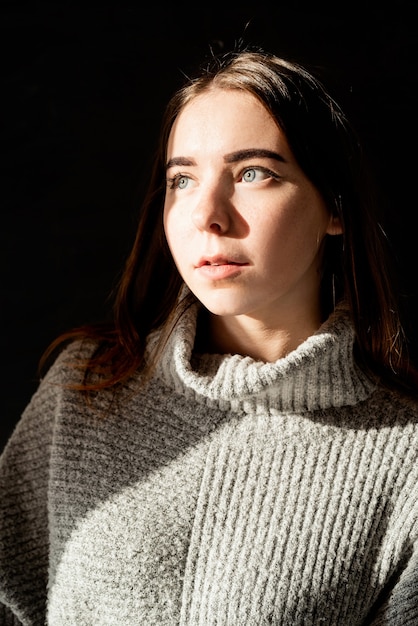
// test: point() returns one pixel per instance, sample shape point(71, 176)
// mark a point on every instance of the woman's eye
point(180, 181)
point(256, 174)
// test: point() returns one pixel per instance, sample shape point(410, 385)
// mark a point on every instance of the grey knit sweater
point(227, 492)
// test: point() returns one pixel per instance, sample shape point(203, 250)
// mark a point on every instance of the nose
point(212, 212)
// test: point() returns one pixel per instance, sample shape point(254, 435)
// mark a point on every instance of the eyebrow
point(232, 157)
point(180, 161)
point(251, 153)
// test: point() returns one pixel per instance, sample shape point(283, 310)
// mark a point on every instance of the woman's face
point(243, 222)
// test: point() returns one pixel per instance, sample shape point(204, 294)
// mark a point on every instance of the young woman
point(240, 447)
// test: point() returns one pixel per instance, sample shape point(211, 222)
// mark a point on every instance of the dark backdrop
point(84, 88)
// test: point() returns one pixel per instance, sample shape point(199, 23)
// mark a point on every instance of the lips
point(221, 268)
point(216, 261)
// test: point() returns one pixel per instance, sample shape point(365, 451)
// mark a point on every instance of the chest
point(256, 520)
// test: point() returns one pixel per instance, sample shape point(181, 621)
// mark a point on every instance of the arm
point(24, 469)
point(400, 606)
point(24, 485)
point(7, 618)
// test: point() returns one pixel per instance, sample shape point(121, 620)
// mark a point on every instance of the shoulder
point(70, 363)
point(394, 408)
point(65, 373)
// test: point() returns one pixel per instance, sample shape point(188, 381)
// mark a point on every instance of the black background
point(84, 87)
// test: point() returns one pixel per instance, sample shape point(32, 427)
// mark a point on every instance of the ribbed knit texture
point(228, 492)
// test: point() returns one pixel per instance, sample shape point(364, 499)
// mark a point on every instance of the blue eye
point(258, 174)
point(249, 175)
point(182, 182)
point(179, 181)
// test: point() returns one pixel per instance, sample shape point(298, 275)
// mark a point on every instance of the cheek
point(295, 235)
point(165, 223)
point(169, 224)
point(174, 234)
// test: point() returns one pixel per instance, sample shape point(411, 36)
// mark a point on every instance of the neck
point(252, 337)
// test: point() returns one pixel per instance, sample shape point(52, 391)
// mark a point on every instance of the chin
point(223, 304)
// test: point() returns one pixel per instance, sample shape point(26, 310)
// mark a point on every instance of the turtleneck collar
point(320, 373)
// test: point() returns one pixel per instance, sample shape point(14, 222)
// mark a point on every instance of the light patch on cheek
point(319, 239)
point(166, 219)
point(177, 239)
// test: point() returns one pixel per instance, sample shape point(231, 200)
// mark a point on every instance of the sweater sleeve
point(24, 469)
point(400, 607)
point(24, 478)
point(7, 618)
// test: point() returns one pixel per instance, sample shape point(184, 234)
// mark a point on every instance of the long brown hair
point(356, 266)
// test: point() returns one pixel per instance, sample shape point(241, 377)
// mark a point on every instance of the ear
point(334, 226)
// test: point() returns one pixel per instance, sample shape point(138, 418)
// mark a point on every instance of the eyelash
point(261, 168)
point(172, 181)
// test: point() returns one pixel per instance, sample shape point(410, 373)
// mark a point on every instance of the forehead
point(227, 119)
